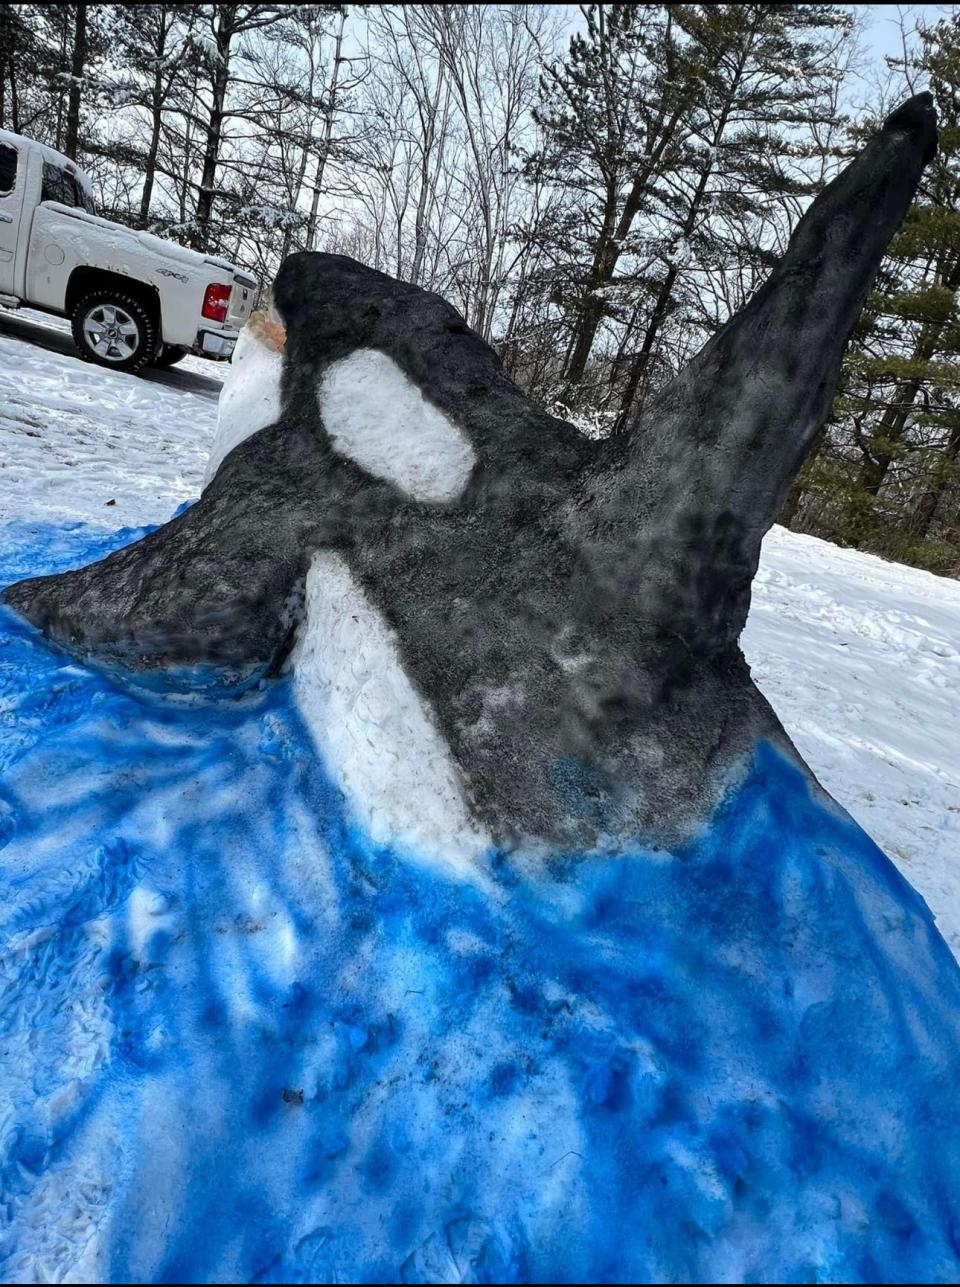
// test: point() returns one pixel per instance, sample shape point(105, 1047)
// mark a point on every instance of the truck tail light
point(216, 302)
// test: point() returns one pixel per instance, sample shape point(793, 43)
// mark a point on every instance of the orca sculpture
point(662, 1013)
point(569, 609)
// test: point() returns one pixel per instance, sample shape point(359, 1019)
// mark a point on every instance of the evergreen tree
point(610, 120)
point(683, 138)
point(73, 41)
point(19, 54)
point(886, 475)
point(765, 79)
point(33, 48)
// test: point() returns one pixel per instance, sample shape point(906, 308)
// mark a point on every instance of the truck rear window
point(8, 168)
point(60, 185)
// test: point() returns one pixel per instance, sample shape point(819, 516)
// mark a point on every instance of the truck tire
point(169, 355)
point(114, 329)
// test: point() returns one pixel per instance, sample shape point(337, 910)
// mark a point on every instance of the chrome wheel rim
point(111, 332)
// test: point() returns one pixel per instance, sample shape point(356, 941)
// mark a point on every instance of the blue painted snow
point(237, 1041)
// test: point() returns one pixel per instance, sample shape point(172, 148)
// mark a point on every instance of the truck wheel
point(169, 355)
point(113, 329)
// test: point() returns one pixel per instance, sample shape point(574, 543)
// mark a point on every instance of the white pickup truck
point(132, 298)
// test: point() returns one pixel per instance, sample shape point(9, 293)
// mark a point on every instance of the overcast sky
point(883, 30)
point(882, 34)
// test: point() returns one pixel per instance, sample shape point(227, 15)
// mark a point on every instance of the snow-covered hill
point(860, 658)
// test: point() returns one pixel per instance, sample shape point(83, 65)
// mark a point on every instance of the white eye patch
point(379, 418)
point(373, 413)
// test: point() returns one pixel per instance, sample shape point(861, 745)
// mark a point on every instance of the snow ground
point(75, 436)
point(860, 658)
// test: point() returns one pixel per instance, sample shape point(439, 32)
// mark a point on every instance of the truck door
point(11, 207)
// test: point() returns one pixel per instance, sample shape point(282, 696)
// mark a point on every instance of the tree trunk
point(296, 188)
point(425, 197)
point(790, 506)
point(661, 305)
point(211, 152)
point(6, 57)
point(324, 152)
point(608, 251)
point(156, 122)
point(77, 65)
point(639, 368)
point(640, 364)
point(592, 306)
point(893, 426)
point(606, 259)
point(11, 45)
point(926, 508)
point(150, 168)
point(14, 100)
point(893, 423)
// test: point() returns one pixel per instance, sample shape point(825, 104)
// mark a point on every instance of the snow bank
point(82, 443)
point(861, 660)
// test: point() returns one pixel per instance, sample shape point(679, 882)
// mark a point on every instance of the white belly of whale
point(378, 739)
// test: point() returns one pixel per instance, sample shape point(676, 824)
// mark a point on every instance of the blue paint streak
point(246, 1044)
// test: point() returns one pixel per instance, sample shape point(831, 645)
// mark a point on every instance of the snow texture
point(861, 660)
point(245, 1043)
point(74, 437)
point(124, 236)
point(250, 399)
point(247, 1039)
point(377, 416)
point(377, 737)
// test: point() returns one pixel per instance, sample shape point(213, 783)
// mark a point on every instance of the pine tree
point(765, 78)
point(34, 56)
point(888, 466)
point(18, 54)
point(609, 119)
point(684, 138)
point(77, 40)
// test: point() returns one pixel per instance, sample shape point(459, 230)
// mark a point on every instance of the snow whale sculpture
point(556, 963)
point(572, 615)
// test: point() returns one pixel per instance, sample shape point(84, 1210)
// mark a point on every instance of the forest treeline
point(595, 189)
